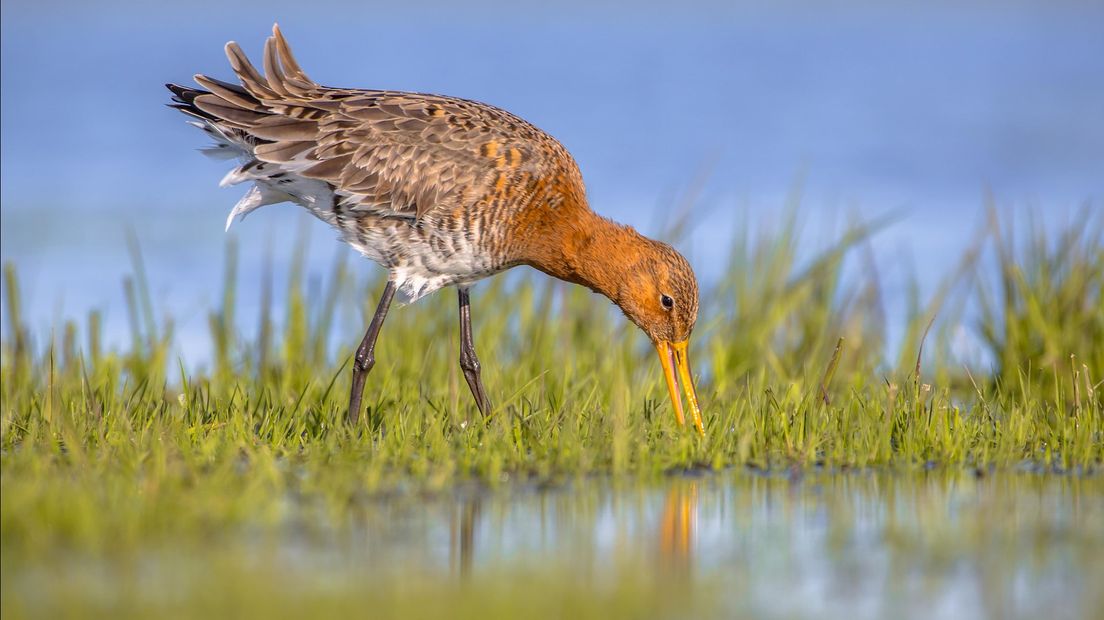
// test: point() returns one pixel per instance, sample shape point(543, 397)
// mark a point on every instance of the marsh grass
point(110, 449)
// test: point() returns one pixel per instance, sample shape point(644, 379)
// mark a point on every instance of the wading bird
point(441, 192)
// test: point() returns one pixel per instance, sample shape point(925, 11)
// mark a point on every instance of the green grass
point(793, 356)
point(106, 450)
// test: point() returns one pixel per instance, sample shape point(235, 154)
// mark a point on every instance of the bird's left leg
point(365, 357)
point(469, 363)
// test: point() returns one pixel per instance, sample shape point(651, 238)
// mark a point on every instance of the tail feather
point(250, 78)
point(282, 71)
point(258, 196)
point(274, 73)
point(224, 146)
point(183, 94)
point(263, 120)
point(231, 93)
point(291, 66)
point(226, 111)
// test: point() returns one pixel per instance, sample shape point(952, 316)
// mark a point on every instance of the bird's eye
point(667, 302)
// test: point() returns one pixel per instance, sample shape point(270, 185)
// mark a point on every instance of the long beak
point(676, 366)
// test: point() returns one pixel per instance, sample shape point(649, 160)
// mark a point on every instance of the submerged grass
point(112, 449)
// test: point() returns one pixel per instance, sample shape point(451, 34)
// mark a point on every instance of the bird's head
point(659, 294)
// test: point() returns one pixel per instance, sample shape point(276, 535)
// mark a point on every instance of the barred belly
point(422, 256)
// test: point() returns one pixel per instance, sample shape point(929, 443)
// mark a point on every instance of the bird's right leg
point(366, 352)
point(469, 363)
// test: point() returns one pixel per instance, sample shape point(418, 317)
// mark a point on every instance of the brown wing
point(398, 153)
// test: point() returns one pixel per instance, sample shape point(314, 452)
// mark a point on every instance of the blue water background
point(869, 110)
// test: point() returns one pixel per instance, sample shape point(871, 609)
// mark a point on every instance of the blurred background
point(735, 110)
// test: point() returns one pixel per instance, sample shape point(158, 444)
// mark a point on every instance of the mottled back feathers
point(394, 153)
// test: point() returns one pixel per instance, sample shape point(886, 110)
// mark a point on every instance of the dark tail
point(184, 100)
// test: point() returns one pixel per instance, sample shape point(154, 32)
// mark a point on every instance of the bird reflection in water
point(677, 526)
point(677, 529)
point(462, 534)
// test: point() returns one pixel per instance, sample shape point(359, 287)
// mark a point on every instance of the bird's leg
point(366, 352)
point(469, 363)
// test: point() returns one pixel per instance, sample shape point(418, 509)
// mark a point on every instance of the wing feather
point(401, 153)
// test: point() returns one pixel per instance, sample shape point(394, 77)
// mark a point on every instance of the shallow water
point(949, 545)
point(854, 545)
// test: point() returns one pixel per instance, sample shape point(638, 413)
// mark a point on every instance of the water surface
point(856, 545)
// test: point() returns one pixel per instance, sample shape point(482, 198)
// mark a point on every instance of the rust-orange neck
point(585, 248)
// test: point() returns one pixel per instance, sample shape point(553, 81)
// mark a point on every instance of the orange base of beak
point(676, 369)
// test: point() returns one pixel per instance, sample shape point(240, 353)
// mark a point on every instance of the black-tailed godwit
point(441, 192)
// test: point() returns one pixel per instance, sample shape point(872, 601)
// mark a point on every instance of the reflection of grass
point(112, 449)
point(244, 582)
point(1009, 544)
